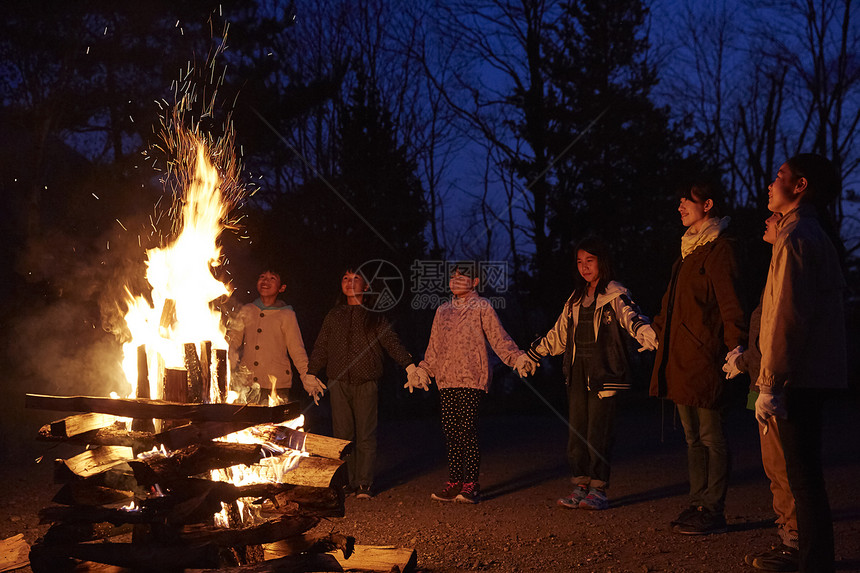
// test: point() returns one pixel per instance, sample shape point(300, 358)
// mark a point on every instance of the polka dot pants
point(460, 424)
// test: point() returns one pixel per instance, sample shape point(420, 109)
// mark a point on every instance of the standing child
point(590, 333)
point(349, 348)
point(802, 340)
point(457, 358)
point(265, 338)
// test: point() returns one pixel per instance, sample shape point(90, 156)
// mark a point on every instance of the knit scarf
point(709, 231)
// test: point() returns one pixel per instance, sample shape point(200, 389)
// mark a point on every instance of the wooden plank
point(378, 558)
point(372, 559)
point(96, 461)
point(80, 423)
point(110, 436)
point(314, 444)
point(198, 432)
point(196, 391)
point(14, 553)
point(143, 408)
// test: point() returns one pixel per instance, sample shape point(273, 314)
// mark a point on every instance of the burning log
point(198, 432)
point(221, 372)
point(315, 444)
point(87, 493)
point(92, 462)
point(80, 423)
point(142, 408)
point(198, 391)
point(61, 533)
point(115, 435)
point(193, 460)
point(175, 385)
point(142, 424)
point(266, 532)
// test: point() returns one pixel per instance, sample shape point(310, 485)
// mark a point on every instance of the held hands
point(314, 387)
point(768, 405)
point(731, 366)
point(646, 337)
point(525, 366)
point(416, 377)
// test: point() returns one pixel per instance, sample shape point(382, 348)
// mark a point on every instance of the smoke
point(60, 325)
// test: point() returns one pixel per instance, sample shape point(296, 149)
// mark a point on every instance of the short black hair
point(466, 268)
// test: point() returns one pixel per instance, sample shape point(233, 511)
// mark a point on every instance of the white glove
point(646, 337)
point(525, 366)
point(731, 365)
point(416, 377)
point(768, 405)
point(606, 393)
point(314, 387)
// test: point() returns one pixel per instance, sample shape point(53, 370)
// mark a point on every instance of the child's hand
point(314, 387)
point(525, 366)
point(416, 377)
point(731, 366)
point(646, 337)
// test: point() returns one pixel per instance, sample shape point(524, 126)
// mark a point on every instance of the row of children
point(794, 348)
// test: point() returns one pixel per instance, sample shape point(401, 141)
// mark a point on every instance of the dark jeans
point(354, 415)
point(708, 456)
point(801, 442)
point(592, 434)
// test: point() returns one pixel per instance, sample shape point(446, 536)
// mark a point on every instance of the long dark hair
point(599, 249)
point(823, 187)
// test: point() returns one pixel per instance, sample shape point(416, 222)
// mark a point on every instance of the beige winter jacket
point(803, 320)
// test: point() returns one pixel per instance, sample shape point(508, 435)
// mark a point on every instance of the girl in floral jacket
point(457, 358)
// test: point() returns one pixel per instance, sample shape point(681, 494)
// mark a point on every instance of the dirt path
point(518, 526)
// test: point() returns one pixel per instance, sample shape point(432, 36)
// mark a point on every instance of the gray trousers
point(354, 415)
point(708, 457)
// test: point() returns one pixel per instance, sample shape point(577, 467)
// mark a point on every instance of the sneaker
point(577, 495)
point(363, 492)
point(685, 515)
point(470, 493)
point(596, 499)
point(703, 522)
point(778, 558)
point(449, 492)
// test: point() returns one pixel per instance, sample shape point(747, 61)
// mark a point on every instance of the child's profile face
point(461, 285)
point(770, 227)
point(587, 265)
point(352, 285)
point(269, 284)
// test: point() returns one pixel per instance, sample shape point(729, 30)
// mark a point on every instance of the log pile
point(145, 501)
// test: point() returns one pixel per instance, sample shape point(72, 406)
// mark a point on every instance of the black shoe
point(685, 515)
point(779, 558)
point(703, 522)
point(363, 492)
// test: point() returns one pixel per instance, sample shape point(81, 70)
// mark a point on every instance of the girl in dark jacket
point(349, 348)
point(591, 332)
point(701, 317)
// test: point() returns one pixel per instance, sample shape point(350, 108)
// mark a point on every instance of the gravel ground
point(517, 526)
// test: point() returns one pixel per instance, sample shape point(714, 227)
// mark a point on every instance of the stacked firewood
point(145, 501)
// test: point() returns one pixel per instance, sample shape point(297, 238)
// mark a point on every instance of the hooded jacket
point(701, 317)
point(614, 302)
